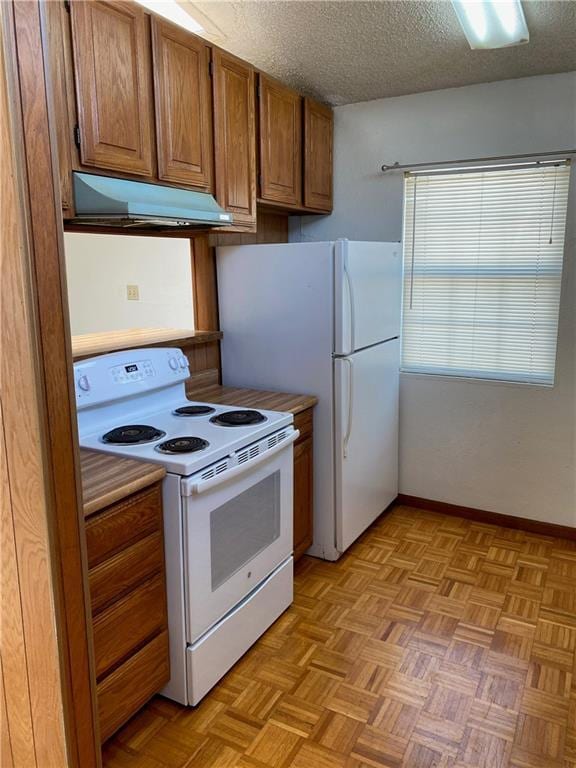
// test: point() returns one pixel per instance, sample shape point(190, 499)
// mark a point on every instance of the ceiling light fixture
point(173, 11)
point(492, 23)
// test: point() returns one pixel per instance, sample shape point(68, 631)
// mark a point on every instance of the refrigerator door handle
point(350, 401)
point(351, 303)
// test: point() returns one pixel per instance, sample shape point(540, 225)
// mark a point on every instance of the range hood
point(110, 202)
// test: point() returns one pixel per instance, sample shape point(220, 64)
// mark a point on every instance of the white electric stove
point(227, 502)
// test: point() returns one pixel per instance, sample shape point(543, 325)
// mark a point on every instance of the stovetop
point(139, 397)
point(221, 440)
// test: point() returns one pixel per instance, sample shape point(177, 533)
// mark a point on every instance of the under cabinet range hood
point(110, 202)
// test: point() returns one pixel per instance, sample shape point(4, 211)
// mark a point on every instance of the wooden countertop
point(253, 398)
point(107, 478)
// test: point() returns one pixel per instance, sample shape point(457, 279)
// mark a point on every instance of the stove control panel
point(123, 374)
point(118, 375)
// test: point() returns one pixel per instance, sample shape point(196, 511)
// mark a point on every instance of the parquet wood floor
point(435, 642)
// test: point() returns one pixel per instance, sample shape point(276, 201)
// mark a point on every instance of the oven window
point(244, 527)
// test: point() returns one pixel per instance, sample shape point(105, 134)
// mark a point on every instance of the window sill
point(476, 380)
point(88, 344)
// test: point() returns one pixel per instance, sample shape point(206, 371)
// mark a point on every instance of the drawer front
point(128, 623)
point(123, 524)
point(212, 656)
point(130, 686)
point(117, 576)
point(304, 423)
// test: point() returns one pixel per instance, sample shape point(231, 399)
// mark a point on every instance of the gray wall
point(508, 448)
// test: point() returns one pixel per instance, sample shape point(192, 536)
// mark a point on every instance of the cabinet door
point(113, 85)
point(59, 52)
point(235, 143)
point(303, 492)
point(318, 122)
point(183, 106)
point(280, 111)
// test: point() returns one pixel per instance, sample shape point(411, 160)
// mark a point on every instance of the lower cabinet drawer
point(117, 576)
point(128, 623)
point(122, 524)
point(131, 685)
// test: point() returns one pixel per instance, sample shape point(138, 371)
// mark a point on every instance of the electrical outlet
point(132, 293)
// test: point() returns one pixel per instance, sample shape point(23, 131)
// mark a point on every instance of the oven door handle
point(205, 485)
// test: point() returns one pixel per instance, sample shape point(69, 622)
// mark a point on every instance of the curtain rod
point(398, 167)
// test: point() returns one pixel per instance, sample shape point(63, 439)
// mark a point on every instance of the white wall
point(505, 448)
point(99, 267)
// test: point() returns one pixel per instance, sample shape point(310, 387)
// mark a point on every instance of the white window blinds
point(482, 268)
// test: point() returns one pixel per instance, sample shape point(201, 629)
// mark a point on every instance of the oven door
point(237, 528)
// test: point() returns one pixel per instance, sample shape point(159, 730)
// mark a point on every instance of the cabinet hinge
point(67, 5)
point(77, 135)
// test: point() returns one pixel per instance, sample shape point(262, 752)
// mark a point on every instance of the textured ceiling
point(349, 51)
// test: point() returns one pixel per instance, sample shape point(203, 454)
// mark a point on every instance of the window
point(101, 270)
point(482, 269)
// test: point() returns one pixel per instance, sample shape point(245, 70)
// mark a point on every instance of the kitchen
point(461, 592)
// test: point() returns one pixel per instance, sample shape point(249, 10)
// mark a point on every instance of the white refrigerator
point(324, 319)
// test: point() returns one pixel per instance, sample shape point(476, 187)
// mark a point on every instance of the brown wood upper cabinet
point(183, 106)
point(318, 123)
point(234, 136)
point(58, 35)
point(111, 50)
point(280, 112)
point(148, 105)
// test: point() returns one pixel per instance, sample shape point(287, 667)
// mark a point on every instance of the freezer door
point(368, 292)
point(366, 442)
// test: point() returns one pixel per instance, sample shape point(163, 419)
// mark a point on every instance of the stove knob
point(84, 384)
point(183, 362)
point(173, 363)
